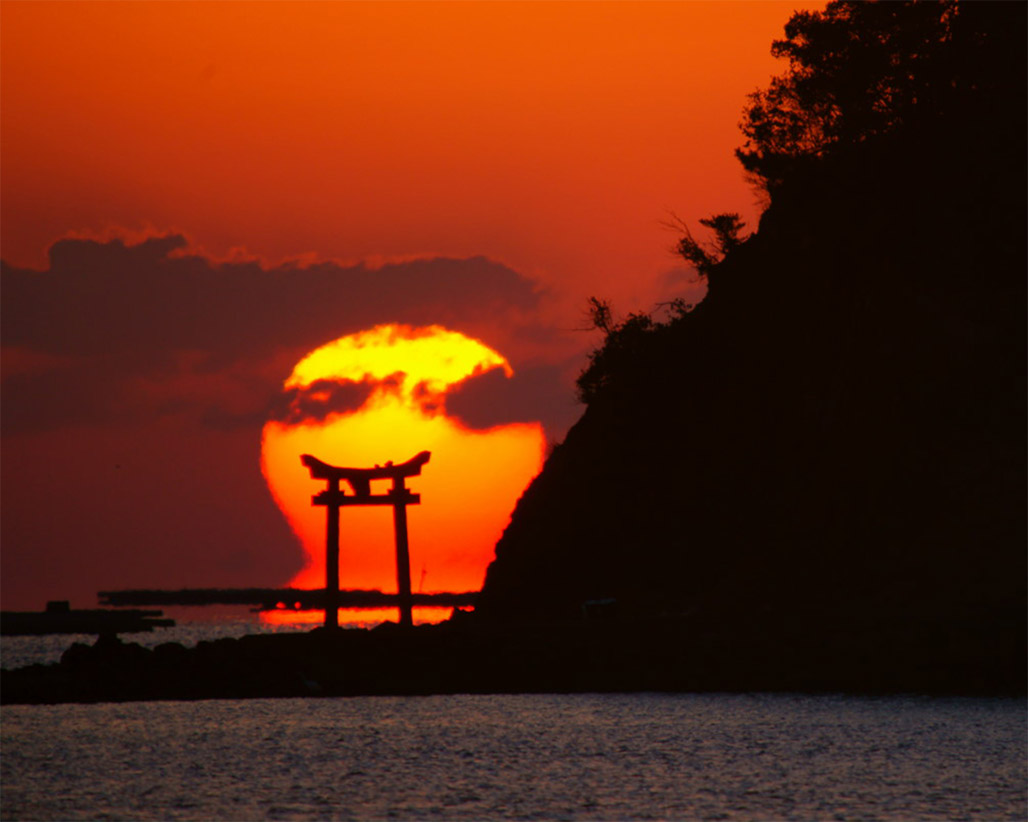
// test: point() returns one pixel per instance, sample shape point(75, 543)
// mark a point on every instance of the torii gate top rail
point(322, 470)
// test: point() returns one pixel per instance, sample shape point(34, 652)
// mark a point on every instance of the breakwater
point(464, 656)
point(300, 599)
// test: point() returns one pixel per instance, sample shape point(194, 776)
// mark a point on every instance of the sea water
point(573, 757)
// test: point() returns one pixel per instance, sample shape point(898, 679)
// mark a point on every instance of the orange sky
point(549, 136)
point(513, 159)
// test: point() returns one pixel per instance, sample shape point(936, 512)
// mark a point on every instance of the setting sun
point(378, 396)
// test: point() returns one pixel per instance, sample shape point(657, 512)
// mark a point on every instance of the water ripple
point(568, 757)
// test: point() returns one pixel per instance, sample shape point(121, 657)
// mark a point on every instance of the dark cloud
point(533, 393)
point(113, 299)
point(114, 314)
point(320, 399)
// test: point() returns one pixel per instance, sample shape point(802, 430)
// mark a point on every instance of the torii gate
point(334, 498)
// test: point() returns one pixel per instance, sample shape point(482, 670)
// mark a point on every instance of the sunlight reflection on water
point(636, 756)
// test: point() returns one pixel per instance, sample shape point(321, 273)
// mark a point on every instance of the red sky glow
point(195, 195)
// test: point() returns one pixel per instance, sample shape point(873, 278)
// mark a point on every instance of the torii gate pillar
point(334, 498)
point(399, 491)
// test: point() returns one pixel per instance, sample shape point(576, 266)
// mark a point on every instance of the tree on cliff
point(862, 69)
point(623, 344)
point(625, 341)
point(861, 74)
point(704, 257)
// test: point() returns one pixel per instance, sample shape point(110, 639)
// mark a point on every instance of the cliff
point(831, 447)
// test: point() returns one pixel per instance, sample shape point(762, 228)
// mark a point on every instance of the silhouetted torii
point(334, 498)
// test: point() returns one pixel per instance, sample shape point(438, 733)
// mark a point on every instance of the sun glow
point(434, 357)
point(397, 378)
point(362, 618)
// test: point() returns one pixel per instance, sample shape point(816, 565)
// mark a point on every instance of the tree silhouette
point(874, 95)
point(623, 343)
point(856, 70)
point(705, 256)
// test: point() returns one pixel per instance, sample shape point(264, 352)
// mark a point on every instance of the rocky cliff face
point(837, 430)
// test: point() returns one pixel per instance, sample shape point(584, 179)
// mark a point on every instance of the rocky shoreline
point(599, 656)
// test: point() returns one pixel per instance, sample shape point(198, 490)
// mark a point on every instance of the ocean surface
point(529, 757)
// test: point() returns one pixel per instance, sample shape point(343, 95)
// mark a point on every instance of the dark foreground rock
point(575, 656)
